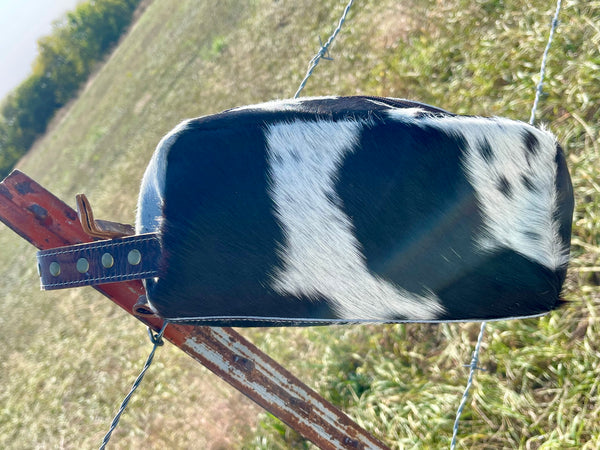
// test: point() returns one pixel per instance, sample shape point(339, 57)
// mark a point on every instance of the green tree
point(64, 62)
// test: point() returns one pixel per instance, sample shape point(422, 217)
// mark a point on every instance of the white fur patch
point(290, 104)
point(150, 201)
point(321, 255)
point(405, 115)
point(523, 220)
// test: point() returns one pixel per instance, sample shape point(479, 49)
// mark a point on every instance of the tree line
point(64, 62)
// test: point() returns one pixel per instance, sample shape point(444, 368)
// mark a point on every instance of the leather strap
point(109, 261)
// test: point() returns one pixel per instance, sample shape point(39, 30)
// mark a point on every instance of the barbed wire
point(472, 368)
point(324, 50)
point(539, 89)
point(475, 358)
point(157, 340)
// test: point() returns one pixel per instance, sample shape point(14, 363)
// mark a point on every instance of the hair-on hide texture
point(347, 209)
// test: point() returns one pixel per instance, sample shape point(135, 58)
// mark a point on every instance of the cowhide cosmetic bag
point(345, 209)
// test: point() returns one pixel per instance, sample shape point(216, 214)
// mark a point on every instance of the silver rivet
point(134, 257)
point(107, 261)
point(82, 265)
point(54, 269)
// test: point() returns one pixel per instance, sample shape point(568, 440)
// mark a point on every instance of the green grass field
point(71, 356)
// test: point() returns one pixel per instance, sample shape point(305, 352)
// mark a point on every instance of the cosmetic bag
point(340, 210)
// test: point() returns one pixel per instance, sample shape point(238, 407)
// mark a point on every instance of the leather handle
point(102, 229)
point(108, 261)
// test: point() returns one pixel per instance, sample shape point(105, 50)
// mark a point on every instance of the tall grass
point(70, 356)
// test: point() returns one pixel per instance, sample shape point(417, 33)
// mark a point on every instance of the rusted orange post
point(47, 222)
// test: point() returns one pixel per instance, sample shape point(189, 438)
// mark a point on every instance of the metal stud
point(107, 261)
point(134, 257)
point(54, 269)
point(82, 265)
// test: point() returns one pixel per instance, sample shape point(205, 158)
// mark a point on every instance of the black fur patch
point(420, 240)
point(485, 150)
point(528, 183)
point(505, 187)
point(532, 145)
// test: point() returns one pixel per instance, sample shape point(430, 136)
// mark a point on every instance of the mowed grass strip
point(71, 356)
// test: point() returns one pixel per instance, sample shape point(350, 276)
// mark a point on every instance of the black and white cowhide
point(342, 209)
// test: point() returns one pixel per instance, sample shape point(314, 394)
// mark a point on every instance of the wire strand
point(157, 341)
point(475, 358)
point(540, 86)
point(472, 368)
point(324, 49)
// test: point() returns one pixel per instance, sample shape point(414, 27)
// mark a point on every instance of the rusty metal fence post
point(47, 222)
